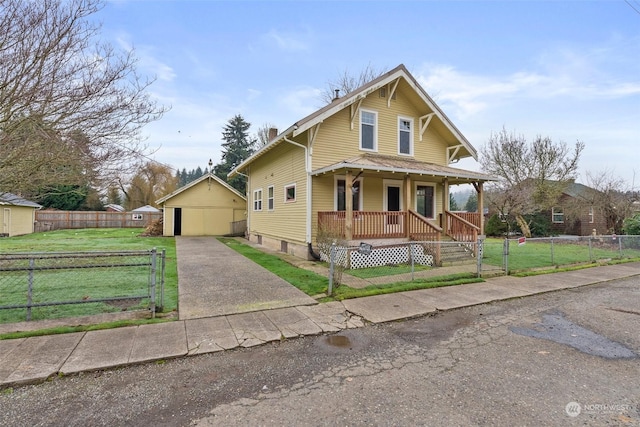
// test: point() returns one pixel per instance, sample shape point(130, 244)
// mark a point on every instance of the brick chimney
point(273, 132)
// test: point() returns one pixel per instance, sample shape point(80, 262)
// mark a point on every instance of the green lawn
point(385, 270)
point(538, 254)
point(65, 285)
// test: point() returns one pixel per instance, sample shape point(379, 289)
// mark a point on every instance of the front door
point(177, 221)
point(393, 203)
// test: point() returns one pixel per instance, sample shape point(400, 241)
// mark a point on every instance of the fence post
point(152, 297)
point(480, 254)
point(620, 245)
point(30, 290)
point(590, 252)
point(552, 257)
point(505, 256)
point(332, 260)
point(412, 255)
point(162, 271)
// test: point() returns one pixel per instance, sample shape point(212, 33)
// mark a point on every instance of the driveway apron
point(214, 280)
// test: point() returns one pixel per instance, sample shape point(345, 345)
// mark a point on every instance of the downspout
point(307, 167)
point(248, 206)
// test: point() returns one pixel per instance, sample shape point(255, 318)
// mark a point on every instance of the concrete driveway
point(214, 280)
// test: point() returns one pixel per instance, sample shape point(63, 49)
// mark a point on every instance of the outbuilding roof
point(14, 200)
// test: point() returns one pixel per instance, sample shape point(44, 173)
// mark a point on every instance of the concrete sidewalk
point(33, 360)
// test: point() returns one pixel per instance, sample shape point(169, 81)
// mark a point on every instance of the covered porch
point(413, 204)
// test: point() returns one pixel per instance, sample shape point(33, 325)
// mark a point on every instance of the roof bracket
point(452, 152)
point(313, 133)
point(354, 111)
point(423, 126)
point(392, 91)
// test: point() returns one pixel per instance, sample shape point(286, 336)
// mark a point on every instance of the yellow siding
point(208, 208)
point(18, 219)
point(284, 165)
point(336, 140)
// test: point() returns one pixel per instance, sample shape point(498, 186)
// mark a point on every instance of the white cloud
point(301, 101)
point(287, 41)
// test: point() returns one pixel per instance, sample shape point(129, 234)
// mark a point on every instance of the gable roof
point(146, 208)
point(577, 190)
point(196, 182)
point(14, 200)
point(353, 97)
point(115, 207)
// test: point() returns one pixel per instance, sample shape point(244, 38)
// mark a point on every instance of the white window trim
point(336, 178)
point(375, 131)
point(295, 193)
point(271, 200)
point(591, 215)
point(435, 197)
point(554, 213)
point(391, 183)
point(410, 120)
point(256, 199)
point(137, 217)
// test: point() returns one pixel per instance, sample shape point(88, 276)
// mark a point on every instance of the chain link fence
point(369, 264)
point(520, 254)
point(38, 286)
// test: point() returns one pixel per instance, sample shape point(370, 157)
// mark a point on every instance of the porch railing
point(365, 225)
point(472, 217)
point(461, 230)
point(380, 225)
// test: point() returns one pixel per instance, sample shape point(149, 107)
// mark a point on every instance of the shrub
point(632, 225)
point(495, 227)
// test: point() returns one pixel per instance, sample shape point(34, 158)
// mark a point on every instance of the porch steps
point(454, 253)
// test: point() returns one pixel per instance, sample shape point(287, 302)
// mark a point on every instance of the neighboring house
point(204, 207)
point(372, 165)
point(17, 215)
point(112, 207)
point(576, 213)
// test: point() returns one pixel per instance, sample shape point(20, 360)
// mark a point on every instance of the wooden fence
point(61, 220)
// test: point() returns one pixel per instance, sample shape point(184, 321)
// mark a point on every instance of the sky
point(569, 70)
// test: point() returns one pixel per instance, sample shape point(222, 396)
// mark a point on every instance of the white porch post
point(348, 201)
point(407, 203)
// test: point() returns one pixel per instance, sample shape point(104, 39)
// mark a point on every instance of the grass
point(345, 292)
point(307, 281)
point(534, 254)
point(385, 270)
point(314, 284)
point(66, 283)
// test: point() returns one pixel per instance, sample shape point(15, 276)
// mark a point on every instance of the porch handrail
point(420, 228)
point(461, 230)
point(365, 224)
point(472, 217)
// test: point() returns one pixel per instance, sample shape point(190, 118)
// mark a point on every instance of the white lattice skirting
point(384, 255)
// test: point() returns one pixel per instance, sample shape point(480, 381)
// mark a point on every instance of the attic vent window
point(383, 92)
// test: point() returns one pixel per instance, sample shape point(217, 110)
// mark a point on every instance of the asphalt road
point(557, 359)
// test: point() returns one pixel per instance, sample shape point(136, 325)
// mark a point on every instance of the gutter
point(307, 167)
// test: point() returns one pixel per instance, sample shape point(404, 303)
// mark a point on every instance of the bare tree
point(263, 135)
point(58, 80)
point(347, 82)
point(532, 175)
point(152, 181)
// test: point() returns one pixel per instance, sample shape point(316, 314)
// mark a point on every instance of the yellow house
point(205, 207)
point(17, 215)
point(373, 165)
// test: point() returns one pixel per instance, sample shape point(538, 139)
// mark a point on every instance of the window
point(290, 193)
point(341, 192)
point(557, 215)
point(257, 199)
point(368, 124)
point(591, 215)
point(136, 216)
point(405, 136)
point(270, 197)
point(425, 200)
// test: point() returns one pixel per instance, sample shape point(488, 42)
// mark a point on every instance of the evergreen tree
point(472, 203)
point(453, 205)
point(237, 147)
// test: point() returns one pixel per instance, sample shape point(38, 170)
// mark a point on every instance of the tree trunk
point(524, 227)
